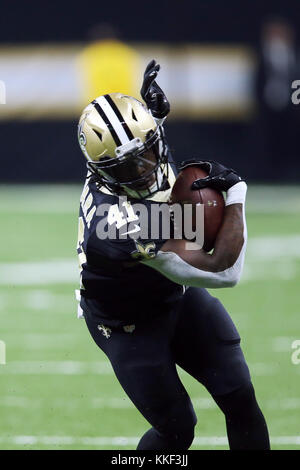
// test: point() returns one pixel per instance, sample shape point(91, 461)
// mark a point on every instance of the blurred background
point(228, 70)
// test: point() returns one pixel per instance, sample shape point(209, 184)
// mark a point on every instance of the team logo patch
point(104, 330)
point(144, 252)
point(129, 328)
point(82, 138)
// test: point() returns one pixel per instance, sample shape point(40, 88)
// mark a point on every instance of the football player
point(144, 299)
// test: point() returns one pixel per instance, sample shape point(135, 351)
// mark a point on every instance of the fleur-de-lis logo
point(81, 134)
point(105, 330)
point(144, 252)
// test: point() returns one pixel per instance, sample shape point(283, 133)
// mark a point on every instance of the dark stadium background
point(238, 143)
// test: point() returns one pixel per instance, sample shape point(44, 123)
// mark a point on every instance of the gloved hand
point(219, 177)
point(152, 94)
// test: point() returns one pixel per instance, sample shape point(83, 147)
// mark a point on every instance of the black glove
point(219, 177)
point(152, 94)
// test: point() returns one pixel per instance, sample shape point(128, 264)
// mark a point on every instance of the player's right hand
point(219, 176)
point(152, 94)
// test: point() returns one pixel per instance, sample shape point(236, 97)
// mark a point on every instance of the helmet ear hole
point(134, 116)
point(98, 134)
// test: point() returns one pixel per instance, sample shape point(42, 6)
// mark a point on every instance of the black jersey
point(115, 286)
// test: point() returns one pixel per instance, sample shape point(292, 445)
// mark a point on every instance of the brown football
point(213, 201)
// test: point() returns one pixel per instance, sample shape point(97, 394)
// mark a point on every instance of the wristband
point(236, 194)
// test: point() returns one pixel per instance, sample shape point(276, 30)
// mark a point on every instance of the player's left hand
point(219, 176)
point(152, 94)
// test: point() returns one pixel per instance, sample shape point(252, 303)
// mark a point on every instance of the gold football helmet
point(125, 148)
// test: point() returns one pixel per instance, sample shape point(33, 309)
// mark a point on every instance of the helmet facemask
point(138, 170)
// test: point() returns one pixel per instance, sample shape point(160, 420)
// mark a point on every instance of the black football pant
point(200, 337)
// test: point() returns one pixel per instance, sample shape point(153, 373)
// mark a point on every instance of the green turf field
point(57, 390)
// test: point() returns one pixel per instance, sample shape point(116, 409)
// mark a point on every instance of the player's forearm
point(199, 269)
point(227, 248)
point(230, 239)
point(231, 242)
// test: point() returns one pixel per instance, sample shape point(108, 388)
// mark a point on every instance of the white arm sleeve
point(177, 270)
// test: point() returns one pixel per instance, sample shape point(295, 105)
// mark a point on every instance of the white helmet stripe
point(115, 122)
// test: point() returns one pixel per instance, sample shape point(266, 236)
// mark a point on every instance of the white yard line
point(284, 404)
point(42, 341)
point(55, 368)
point(267, 258)
point(264, 368)
point(54, 271)
point(283, 343)
point(121, 441)
point(101, 368)
point(274, 246)
point(40, 301)
point(117, 403)
point(199, 403)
